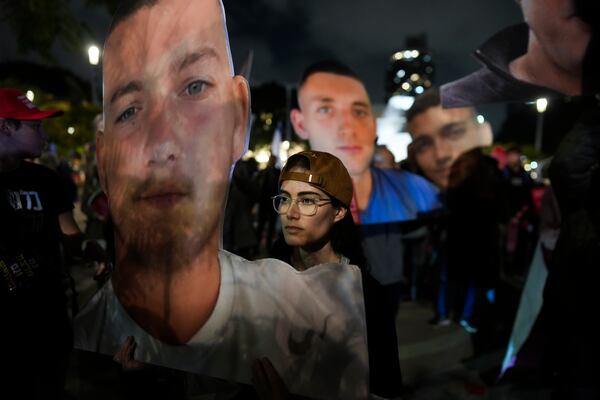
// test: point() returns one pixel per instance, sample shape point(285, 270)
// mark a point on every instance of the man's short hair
point(430, 98)
point(127, 8)
point(327, 66)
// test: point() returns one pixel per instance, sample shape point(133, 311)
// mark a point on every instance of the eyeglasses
point(307, 206)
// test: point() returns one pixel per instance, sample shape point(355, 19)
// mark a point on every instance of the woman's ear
point(340, 213)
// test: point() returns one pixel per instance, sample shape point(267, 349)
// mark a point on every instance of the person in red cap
point(36, 218)
point(22, 132)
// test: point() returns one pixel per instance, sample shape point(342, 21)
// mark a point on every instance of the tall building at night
point(409, 73)
point(411, 70)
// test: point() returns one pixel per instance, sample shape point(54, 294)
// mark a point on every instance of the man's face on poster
point(335, 116)
point(559, 30)
point(175, 120)
point(440, 136)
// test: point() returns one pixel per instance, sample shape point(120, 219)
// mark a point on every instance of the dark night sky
point(288, 34)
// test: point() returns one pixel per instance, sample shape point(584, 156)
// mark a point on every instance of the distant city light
point(527, 167)
point(401, 102)
point(262, 156)
point(70, 130)
point(398, 56)
point(414, 77)
point(94, 54)
point(30, 95)
point(534, 175)
point(408, 54)
point(480, 119)
point(534, 164)
point(249, 154)
point(406, 86)
point(415, 53)
point(419, 90)
point(541, 104)
point(401, 73)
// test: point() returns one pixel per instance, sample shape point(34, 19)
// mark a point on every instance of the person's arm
point(68, 225)
point(125, 356)
point(268, 383)
point(75, 241)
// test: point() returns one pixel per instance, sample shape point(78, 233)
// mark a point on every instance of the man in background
point(555, 53)
point(36, 220)
point(384, 158)
point(446, 148)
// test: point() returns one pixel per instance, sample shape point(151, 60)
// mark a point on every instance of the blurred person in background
point(446, 150)
point(267, 184)
point(239, 235)
point(521, 230)
point(555, 53)
point(37, 221)
point(383, 158)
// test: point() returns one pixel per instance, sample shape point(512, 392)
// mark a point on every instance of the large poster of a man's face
point(175, 120)
point(553, 53)
point(170, 93)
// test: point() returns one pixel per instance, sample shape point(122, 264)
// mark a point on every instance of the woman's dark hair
point(345, 236)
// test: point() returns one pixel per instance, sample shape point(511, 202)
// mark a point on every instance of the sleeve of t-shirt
point(428, 194)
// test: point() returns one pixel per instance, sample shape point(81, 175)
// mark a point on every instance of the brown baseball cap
point(325, 172)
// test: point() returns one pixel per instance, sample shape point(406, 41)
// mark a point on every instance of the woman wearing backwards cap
point(315, 191)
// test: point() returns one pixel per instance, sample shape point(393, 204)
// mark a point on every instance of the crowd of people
point(220, 277)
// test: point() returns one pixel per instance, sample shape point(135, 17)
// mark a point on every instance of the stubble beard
point(162, 242)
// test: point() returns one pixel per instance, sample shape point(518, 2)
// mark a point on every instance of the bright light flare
point(94, 54)
point(541, 104)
